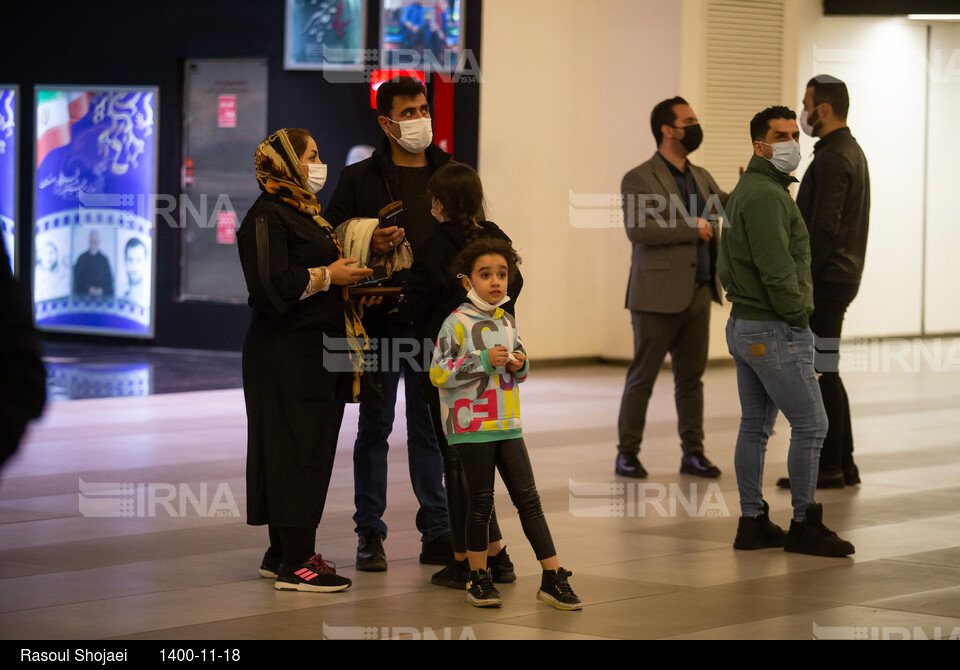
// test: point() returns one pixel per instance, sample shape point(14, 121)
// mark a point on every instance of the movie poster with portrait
point(8, 171)
point(93, 229)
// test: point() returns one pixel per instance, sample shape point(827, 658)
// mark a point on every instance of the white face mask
point(479, 302)
point(436, 210)
point(786, 155)
point(805, 126)
point(316, 176)
point(415, 135)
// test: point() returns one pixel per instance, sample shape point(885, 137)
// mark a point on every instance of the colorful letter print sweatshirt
point(478, 403)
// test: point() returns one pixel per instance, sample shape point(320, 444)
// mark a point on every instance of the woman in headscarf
point(295, 393)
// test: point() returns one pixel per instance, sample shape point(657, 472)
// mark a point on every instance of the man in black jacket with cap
point(834, 199)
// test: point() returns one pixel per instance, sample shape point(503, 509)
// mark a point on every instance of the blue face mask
point(786, 155)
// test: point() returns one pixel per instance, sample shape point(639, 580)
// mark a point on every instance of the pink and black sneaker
point(316, 575)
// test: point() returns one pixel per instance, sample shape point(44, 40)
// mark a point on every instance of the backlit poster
point(93, 235)
point(8, 171)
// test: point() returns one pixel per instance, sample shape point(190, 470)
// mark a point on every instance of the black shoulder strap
point(263, 266)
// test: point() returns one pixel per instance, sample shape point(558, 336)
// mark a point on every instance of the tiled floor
point(652, 560)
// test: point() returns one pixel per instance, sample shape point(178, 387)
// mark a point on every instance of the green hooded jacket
point(764, 258)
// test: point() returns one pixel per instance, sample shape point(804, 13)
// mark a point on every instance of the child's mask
point(479, 302)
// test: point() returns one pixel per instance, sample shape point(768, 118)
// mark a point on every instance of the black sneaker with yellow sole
point(480, 590)
point(555, 590)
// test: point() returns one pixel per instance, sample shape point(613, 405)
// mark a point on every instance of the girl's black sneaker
point(555, 590)
point(501, 567)
point(480, 590)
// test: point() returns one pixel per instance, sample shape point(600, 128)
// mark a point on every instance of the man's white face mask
point(415, 135)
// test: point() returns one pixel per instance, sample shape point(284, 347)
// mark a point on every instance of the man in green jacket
point(764, 266)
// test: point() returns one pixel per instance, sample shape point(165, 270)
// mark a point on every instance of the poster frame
point(148, 200)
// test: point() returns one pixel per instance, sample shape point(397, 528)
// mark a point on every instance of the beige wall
point(942, 309)
point(567, 91)
point(565, 103)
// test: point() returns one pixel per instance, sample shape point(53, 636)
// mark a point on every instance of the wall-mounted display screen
point(421, 34)
point(8, 171)
point(325, 34)
point(94, 195)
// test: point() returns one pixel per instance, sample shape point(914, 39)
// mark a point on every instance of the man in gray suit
point(671, 211)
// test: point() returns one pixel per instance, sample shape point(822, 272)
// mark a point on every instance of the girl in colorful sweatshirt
point(478, 363)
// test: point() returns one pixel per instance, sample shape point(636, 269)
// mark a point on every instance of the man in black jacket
point(399, 169)
point(834, 199)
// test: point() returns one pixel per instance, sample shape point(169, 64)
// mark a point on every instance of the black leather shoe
point(629, 466)
point(698, 465)
point(370, 554)
point(438, 551)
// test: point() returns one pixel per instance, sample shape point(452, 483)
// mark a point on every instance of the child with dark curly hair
point(478, 363)
point(432, 293)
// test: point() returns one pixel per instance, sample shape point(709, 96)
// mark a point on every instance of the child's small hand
point(498, 356)
point(516, 364)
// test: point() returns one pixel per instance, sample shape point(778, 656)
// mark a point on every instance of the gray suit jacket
point(663, 268)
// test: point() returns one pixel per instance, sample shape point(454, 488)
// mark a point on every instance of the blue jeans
point(370, 451)
point(775, 372)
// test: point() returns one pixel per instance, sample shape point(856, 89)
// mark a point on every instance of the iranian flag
point(57, 111)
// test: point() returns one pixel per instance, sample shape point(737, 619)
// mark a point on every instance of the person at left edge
point(671, 208)
point(400, 169)
point(293, 267)
point(22, 375)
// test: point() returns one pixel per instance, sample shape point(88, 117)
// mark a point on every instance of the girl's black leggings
point(479, 462)
point(454, 480)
